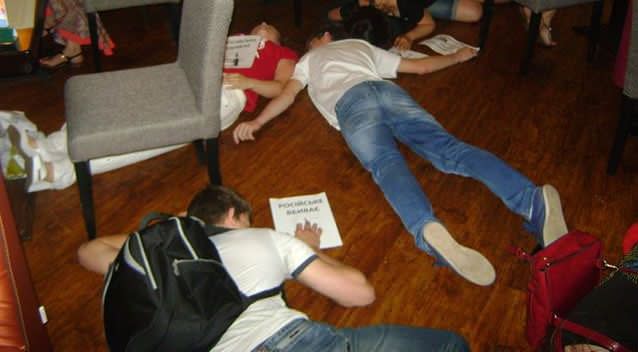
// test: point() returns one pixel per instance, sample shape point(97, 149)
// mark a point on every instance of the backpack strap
point(153, 216)
point(598, 338)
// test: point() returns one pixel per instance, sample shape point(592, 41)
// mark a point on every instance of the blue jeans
point(373, 114)
point(307, 335)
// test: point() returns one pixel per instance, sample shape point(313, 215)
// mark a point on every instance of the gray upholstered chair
point(92, 7)
point(628, 119)
point(538, 7)
point(119, 112)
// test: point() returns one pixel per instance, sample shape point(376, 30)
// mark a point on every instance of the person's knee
point(467, 11)
point(476, 13)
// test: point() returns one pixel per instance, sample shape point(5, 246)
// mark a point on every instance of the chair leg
point(95, 44)
point(622, 131)
point(488, 6)
point(212, 152)
point(594, 33)
point(83, 175)
point(297, 10)
point(175, 14)
point(200, 150)
point(532, 37)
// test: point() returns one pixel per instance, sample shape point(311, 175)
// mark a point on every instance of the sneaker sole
point(554, 226)
point(468, 263)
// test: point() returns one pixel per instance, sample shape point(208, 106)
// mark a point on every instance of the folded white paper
point(241, 51)
point(445, 44)
point(290, 211)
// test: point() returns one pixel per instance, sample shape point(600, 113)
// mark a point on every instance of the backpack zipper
point(177, 262)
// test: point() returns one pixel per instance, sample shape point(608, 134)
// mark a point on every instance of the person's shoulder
point(281, 51)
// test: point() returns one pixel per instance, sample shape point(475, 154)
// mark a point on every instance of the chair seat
point(130, 110)
point(543, 5)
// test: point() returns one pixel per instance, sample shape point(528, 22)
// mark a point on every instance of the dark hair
point(372, 25)
point(336, 30)
point(213, 202)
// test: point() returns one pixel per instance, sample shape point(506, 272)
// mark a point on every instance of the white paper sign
point(290, 211)
point(241, 51)
point(445, 44)
point(408, 54)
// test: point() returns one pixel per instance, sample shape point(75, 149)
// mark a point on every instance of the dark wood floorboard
point(554, 125)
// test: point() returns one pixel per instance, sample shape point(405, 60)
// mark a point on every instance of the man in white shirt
point(259, 260)
point(345, 80)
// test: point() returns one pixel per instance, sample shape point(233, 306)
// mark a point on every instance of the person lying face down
point(346, 81)
point(260, 259)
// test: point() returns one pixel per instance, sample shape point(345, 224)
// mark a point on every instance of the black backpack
point(167, 290)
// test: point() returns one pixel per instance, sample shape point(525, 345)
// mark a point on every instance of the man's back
point(260, 260)
point(329, 71)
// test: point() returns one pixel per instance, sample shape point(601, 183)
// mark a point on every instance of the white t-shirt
point(332, 69)
point(260, 260)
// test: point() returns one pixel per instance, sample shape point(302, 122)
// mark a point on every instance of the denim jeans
point(307, 335)
point(373, 115)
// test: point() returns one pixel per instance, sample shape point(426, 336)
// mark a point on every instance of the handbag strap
point(600, 339)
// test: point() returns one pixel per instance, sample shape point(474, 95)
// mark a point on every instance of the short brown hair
point(213, 202)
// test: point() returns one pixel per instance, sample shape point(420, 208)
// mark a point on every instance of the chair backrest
point(631, 75)
point(103, 5)
point(202, 41)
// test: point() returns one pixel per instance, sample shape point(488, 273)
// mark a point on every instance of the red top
point(263, 68)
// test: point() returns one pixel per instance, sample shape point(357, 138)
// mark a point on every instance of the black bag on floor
point(167, 290)
point(607, 316)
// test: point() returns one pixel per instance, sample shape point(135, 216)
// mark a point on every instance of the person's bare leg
point(96, 255)
point(545, 29)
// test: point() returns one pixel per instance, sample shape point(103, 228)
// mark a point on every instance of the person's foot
point(547, 222)
point(468, 263)
point(62, 59)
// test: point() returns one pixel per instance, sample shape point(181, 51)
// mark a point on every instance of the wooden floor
point(555, 125)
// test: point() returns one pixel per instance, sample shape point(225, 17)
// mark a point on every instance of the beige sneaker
point(468, 263)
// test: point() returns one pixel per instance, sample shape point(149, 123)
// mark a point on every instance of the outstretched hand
point(245, 131)
point(465, 54)
point(309, 233)
point(402, 42)
point(237, 81)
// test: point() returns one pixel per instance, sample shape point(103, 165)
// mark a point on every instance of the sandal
point(73, 60)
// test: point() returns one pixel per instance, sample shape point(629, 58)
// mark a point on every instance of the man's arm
point(96, 255)
point(342, 283)
point(425, 26)
point(265, 88)
point(245, 130)
point(435, 63)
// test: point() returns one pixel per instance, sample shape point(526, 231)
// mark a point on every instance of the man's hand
point(238, 81)
point(245, 131)
point(309, 233)
point(465, 54)
point(402, 42)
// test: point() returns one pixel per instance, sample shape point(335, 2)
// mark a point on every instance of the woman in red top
point(272, 67)
point(48, 156)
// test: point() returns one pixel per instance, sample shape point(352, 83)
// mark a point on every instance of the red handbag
point(561, 274)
